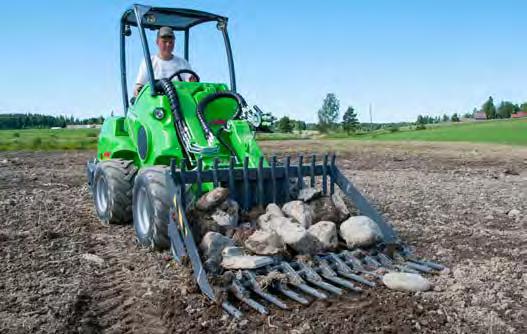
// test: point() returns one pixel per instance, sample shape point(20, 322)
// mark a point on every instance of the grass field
point(508, 132)
point(47, 139)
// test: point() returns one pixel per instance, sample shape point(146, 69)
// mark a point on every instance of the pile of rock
point(306, 226)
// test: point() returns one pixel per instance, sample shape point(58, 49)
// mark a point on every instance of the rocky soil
point(462, 205)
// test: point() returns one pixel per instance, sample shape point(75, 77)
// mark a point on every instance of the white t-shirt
point(163, 69)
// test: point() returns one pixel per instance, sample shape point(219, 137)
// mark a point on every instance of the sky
point(404, 58)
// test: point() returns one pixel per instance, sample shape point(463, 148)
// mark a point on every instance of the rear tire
point(112, 190)
point(151, 207)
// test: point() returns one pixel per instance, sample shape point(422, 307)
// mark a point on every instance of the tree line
point(28, 121)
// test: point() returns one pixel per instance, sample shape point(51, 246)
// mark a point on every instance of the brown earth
point(450, 202)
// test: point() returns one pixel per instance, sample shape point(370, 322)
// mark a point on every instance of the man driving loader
point(164, 63)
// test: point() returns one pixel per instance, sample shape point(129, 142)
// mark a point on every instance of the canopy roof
point(177, 18)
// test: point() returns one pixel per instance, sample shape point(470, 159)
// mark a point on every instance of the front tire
point(151, 207)
point(112, 190)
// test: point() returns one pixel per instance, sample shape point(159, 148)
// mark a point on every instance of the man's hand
point(192, 78)
point(137, 89)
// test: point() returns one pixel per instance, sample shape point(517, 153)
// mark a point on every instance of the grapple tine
point(232, 310)
point(357, 265)
point(327, 273)
point(260, 182)
point(296, 280)
point(405, 269)
point(239, 292)
point(300, 168)
point(259, 291)
point(344, 270)
point(325, 175)
point(246, 185)
point(312, 171)
point(215, 172)
point(433, 265)
point(418, 267)
point(291, 294)
point(273, 176)
point(286, 177)
point(313, 278)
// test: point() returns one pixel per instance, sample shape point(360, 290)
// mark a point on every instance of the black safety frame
point(135, 16)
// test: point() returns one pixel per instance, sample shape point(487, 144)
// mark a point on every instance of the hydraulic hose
point(200, 110)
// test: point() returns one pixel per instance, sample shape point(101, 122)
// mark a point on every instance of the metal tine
point(300, 180)
point(286, 177)
point(259, 291)
point(332, 176)
point(324, 175)
point(215, 172)
point(239, 292)
point(389, 264)
point(418, 267)
point(183, 168)
point(399, 258)
point(291, 294)
point(296, 280)
point(315, 279)
point(246, 188)
point(330, 275)
point(312, 170)
point(232, 310)
point(273, 176)
point(405, 269)
point(260, 185)
point(232, 189)
point(344, 270)
point(358, 266)
point(429, 264)
point(198, 181)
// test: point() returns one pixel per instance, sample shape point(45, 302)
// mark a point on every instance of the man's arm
point(141, 78)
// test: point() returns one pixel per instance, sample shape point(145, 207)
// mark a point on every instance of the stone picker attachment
point(310, 248)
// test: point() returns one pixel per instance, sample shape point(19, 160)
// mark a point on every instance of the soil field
point(462, 205)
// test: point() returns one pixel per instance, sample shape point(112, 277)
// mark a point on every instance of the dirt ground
point(450, 202)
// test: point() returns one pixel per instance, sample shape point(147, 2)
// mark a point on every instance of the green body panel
point(119, 135)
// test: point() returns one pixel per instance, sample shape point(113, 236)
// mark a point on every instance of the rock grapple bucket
point(281, 282)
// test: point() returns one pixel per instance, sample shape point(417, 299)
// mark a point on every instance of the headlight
point(159, 113)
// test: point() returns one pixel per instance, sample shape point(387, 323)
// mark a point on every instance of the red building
point(519, 114)
point(480, 115)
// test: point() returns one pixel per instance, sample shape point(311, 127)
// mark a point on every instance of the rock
point(299, 211)
point(406, 282)
point(359, 231)
point(246, 262)
point(514, 213)
point(226, 215)
point(4, 161)
point(326, 234)
point(296, 237)
point(265, 243)
point(269, 222)
point(242, 233)
point(307, 194)
point(324, 210)
point(274, 210)
point(232, 251)
point(212, 246)
point(212, 199)
point(93, 258)
point(341, 206)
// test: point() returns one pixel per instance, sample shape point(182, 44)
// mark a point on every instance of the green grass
point(509, 132)
point(47, 139)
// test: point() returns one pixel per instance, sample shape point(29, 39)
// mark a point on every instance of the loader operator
point(164, 63)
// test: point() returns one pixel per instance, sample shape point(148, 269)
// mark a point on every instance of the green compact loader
point(180, 140)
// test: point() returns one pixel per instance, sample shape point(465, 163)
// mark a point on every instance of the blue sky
point(405, 58)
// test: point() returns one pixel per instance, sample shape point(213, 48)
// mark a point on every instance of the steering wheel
point(184, 71)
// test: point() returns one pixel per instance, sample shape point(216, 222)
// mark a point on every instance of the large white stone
point(296, 237)
point(359, 231)
point(246, 262)
point(265, 243)
point(299, 211)
point(212, 199)
point(326, 234)
point(341, 206)
point(307, 194)
point(269, 222)
point(213, 243)
point(406, 282)
point(274, 210)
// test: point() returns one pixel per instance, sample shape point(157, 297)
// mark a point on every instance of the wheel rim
point(101, 196)
point(142, 213)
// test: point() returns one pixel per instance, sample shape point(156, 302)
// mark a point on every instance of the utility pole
point(371, 119)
